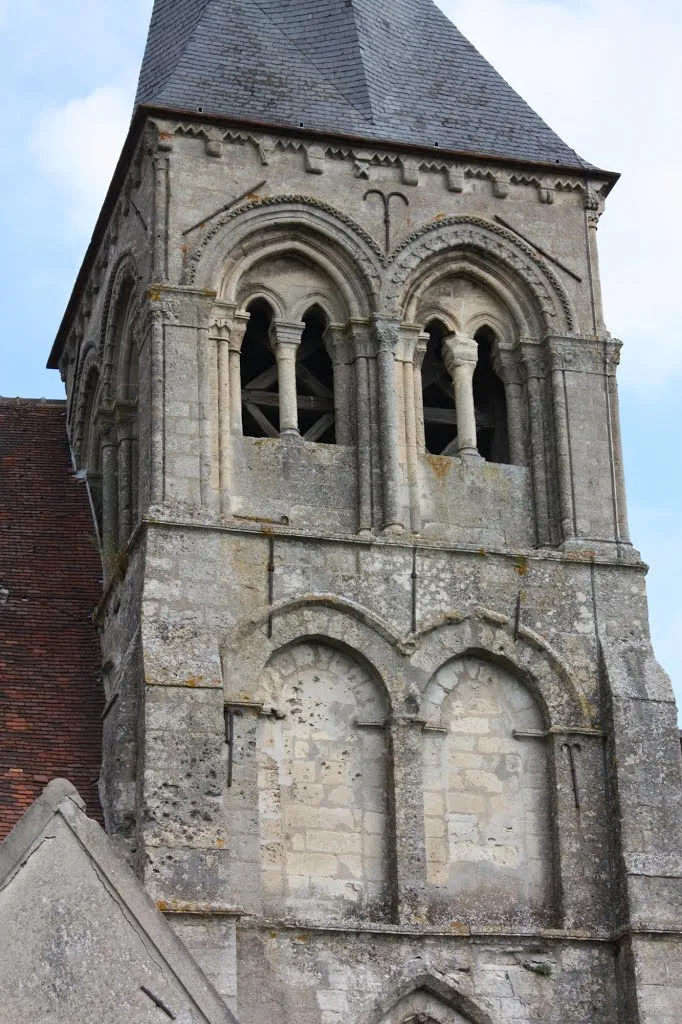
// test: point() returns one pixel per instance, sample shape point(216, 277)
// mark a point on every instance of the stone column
point(410, 342)
point(386, 333)
point(362, 349)
point(126, 498)
point(419, 353)
point(611, 363)
point(340, 349)
point(408, 813)
point(461, 356)
point(286, 338)
point(563, 441)
point(594, 206)
point(240, 325)
point(507, 369)
point(109, 447)
point(536, 373)
point(219, 335)
point(161, 169)
point(209, 458)
point(157, 469)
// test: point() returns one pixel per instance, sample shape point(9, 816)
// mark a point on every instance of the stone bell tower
point(385, 737)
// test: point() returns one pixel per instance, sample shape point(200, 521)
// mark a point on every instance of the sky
point(605, 74)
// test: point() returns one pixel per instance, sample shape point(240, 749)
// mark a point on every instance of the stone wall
point(390, 738)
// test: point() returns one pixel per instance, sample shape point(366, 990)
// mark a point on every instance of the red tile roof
point(51, 697)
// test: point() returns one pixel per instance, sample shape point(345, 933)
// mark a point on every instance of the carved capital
point(386, 333)
point(339, 344)
point(594, 206)
point(420, 350)
point(459, 350)
point(286, 336)
point(584, 355)
point(533, 361)
point(612, 351)
point(506, 365)
point(106, 426)
point(364, 346)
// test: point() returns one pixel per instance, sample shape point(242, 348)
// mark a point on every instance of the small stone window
point(490, 403)
point(315, 381)
point(440, 418)
point(260, 379)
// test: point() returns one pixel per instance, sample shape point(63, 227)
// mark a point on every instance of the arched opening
point(490, 403)
point(486, 798)
point(259, 376)
point(315, 381)
point(440, 419)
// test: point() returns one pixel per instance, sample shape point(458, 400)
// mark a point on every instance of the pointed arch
point(417, 990)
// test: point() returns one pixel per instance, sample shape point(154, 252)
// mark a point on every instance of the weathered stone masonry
point(390, 741)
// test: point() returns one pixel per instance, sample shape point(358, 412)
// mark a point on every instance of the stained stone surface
point(323, 657)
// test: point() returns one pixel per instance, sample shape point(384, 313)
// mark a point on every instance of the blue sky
point(605, 74)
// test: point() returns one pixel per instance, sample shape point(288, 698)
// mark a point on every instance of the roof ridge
point(316, 65)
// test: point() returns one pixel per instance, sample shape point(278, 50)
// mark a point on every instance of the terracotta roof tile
point(51, 697)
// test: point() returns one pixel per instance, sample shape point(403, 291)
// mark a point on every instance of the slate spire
point(385, 70)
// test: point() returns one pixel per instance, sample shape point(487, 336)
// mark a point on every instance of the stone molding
point(387, 275)
point(403, 662)
point(496, 242)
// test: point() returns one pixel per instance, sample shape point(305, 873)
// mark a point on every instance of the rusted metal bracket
point(225, 208)
point(573, 749)
point(158, 1002)
point(271, 583)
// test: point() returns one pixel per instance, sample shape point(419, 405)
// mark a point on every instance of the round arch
point(121, 294)
point(481, 247)
point(87, 396)
point(283, 224)
point(324, 619)
point(523, 653)
point(514, 299)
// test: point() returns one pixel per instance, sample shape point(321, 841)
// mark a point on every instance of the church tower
point(385, 738)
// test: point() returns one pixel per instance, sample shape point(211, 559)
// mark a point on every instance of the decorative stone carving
point(315, 157)
point(495, 241)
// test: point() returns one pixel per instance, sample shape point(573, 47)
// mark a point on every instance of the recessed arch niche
point(486, 797)
point(323, 785)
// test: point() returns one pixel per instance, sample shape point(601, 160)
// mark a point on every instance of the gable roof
point(386, 70)
point(93, 946)
point(51, 697)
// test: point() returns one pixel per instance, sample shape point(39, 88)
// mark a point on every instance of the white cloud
point(607, 77)
point(77, 145)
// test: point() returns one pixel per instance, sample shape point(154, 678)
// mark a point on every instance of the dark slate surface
point(393, 70)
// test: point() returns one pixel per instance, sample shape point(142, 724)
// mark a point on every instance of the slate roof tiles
point(386, 70)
